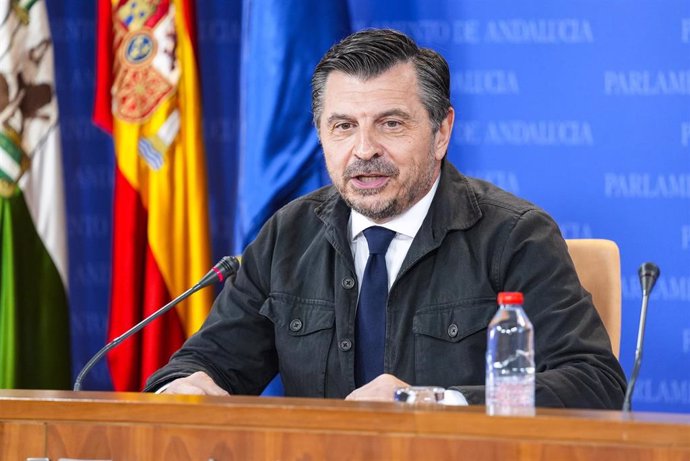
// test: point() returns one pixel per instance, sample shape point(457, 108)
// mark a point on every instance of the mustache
point(374, 167)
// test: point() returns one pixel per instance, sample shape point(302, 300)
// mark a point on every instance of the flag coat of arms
point(34, 316)
point(148, 98)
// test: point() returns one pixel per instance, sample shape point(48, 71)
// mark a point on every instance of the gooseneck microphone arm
point(218, 273)
point(648, 273)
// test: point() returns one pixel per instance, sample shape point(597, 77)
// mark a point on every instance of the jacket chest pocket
point(304, 330)
point(450, 343)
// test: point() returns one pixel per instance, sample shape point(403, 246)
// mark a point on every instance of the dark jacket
point(291, 308)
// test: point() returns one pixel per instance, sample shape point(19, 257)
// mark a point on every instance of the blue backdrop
point(582, 107)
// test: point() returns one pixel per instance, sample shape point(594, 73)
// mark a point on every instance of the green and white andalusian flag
point(34, 323)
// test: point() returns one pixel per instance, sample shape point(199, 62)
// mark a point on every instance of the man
point(302, 302)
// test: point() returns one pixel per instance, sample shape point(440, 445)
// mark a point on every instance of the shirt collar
point(407, 223)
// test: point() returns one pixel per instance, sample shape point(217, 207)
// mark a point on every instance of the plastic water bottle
point(510, 359)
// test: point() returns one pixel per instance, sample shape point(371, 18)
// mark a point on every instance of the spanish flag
point(147, 96)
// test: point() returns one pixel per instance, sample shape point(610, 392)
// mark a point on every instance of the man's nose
point(366, 146)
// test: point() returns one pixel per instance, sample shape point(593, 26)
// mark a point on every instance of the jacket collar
point(455, 206)
point(335, 214)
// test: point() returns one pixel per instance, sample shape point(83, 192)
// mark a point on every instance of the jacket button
point(345, 345)
point(452, 330)
point(295, 325)
point(348, 283)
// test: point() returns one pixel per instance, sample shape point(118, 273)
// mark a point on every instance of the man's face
point(381, 152)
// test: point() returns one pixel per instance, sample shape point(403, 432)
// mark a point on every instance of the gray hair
point(369, 53)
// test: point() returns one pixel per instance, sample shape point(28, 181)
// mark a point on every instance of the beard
point(421, 178)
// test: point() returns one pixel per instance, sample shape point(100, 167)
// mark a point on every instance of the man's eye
point(392, 123)
point(343, 126)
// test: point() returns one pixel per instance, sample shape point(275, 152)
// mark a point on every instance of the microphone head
point(648, 273)
point(227, 266)
point(223, 269)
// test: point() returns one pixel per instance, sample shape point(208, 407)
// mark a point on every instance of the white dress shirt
point(405, 227)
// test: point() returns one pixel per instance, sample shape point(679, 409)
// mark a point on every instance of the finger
point(211, 388)
point(198, 383)
point(183, 388)
point(206, 384)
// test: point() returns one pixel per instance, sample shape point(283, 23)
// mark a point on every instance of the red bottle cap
point(510, 297)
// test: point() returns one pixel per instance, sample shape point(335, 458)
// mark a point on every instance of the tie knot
point(378, 238)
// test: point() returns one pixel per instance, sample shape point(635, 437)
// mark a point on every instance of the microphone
point(225, 268)
point(648, 274)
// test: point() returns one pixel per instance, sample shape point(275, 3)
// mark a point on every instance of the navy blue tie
point(370, 330)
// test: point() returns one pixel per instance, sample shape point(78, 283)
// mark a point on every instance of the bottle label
point(510, 395)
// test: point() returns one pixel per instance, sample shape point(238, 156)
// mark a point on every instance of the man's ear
point(443, 135)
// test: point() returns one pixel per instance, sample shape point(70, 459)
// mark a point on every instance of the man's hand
point(198, 383)
point(381, 389)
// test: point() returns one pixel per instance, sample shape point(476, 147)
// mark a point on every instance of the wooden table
point(131, 426)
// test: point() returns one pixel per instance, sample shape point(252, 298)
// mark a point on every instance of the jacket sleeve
point(575, 366)
point(235, 344)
